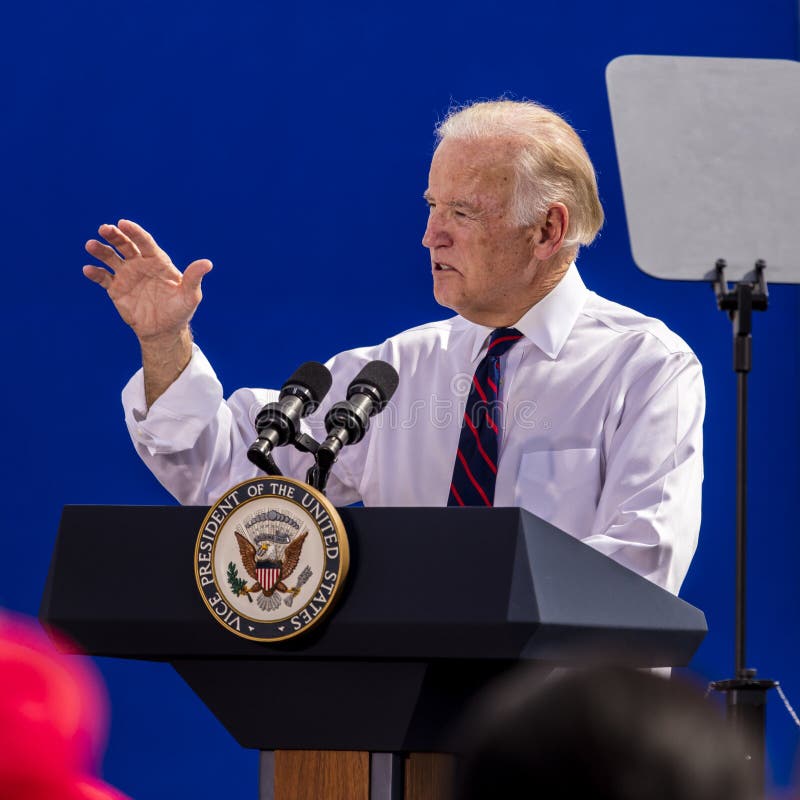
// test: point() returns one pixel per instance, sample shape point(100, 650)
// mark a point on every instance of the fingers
point(139, 236)
point(132, 241)
point(113, 235)
point(102, 252)
point(193, 274)
point(98, 275)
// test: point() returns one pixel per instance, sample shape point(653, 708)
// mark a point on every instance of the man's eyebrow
point(465, 204)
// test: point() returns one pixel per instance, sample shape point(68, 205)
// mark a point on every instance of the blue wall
point(290, 144)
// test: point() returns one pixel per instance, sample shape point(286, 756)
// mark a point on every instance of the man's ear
point(548, 236)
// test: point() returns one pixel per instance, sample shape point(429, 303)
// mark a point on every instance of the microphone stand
point(746, 696)
point(266, 463)
point(305, 444)
point(317, 476)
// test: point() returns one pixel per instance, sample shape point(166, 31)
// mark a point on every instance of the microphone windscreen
point(313, 376)
point(380, 376)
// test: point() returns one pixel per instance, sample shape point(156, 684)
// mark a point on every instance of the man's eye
point(460, 214)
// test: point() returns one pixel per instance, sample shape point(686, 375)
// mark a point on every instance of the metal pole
point(741, 526)
point(742, 363)
point(746, 696)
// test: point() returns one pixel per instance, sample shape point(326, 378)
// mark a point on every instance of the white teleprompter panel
point(709, 155)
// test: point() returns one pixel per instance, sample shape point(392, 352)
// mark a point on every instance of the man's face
point(483, 265)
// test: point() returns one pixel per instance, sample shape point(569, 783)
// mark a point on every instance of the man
point(599, 430)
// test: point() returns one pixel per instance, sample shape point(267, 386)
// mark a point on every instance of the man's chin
point(445, 299)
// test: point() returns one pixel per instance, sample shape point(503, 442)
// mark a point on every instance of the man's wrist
point(166, 346)
point(164, 358)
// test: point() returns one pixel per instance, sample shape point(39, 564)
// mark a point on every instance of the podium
point(437, 603)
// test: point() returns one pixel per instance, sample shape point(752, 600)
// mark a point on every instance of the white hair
point(551, 164)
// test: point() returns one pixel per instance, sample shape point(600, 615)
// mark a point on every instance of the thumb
point(193, 274)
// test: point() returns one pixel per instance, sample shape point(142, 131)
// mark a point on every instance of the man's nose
point(436, 234)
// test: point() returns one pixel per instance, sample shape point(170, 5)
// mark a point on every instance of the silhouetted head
point(604, 734)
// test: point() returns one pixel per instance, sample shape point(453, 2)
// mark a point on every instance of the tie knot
point(502, 340)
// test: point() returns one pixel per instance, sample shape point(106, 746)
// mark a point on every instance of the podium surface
point(437, 602)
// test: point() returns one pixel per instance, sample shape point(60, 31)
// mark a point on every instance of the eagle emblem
point(270, 559)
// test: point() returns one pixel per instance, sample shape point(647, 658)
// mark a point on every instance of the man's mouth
point(439, 267)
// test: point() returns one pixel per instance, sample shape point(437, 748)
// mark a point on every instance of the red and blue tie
point(475, 470)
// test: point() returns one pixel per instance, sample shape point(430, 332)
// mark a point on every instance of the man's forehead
point(488, 149)
point(467, 169)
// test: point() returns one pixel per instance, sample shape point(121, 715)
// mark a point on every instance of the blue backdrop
point(290, 144)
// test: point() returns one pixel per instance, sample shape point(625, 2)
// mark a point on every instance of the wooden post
point(429, 776)
point(329, 774)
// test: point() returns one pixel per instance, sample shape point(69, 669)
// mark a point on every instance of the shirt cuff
point(177, 418)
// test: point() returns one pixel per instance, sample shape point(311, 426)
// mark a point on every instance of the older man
point(596, 410)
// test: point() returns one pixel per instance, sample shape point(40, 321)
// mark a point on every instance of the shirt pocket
point(562, 487)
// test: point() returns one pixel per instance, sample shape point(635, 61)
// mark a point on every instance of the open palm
point(148, 291)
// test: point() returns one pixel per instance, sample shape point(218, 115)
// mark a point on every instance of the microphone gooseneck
point(278, 423)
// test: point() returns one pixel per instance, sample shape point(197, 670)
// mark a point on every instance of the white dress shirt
point(602, 427)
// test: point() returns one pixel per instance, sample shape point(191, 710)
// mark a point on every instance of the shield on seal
point(268, 573)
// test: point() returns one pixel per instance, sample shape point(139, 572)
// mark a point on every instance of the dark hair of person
point(602, 734)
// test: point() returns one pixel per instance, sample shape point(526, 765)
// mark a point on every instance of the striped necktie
point(475, 469)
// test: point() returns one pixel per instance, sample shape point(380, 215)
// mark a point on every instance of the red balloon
point(53, 710)
point(86, 788)
point(64, 787)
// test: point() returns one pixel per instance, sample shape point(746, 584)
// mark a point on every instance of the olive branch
point(237, 584)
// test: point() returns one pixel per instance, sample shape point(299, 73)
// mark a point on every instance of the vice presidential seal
point(270, 558)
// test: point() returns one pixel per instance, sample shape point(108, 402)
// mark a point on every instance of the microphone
point(277, 424)
point(348, 420)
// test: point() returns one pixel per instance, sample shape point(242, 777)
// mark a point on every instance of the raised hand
point(152, 296)
point(149, 292)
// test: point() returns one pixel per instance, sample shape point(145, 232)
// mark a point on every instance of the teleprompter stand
point(746, 696)
point(707, 156)
point(437, 603)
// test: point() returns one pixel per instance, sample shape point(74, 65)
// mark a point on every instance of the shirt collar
point(548, 323)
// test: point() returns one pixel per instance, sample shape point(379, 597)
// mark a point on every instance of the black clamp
point(740, 302)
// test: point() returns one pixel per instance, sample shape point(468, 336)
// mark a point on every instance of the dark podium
point(437, 603)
